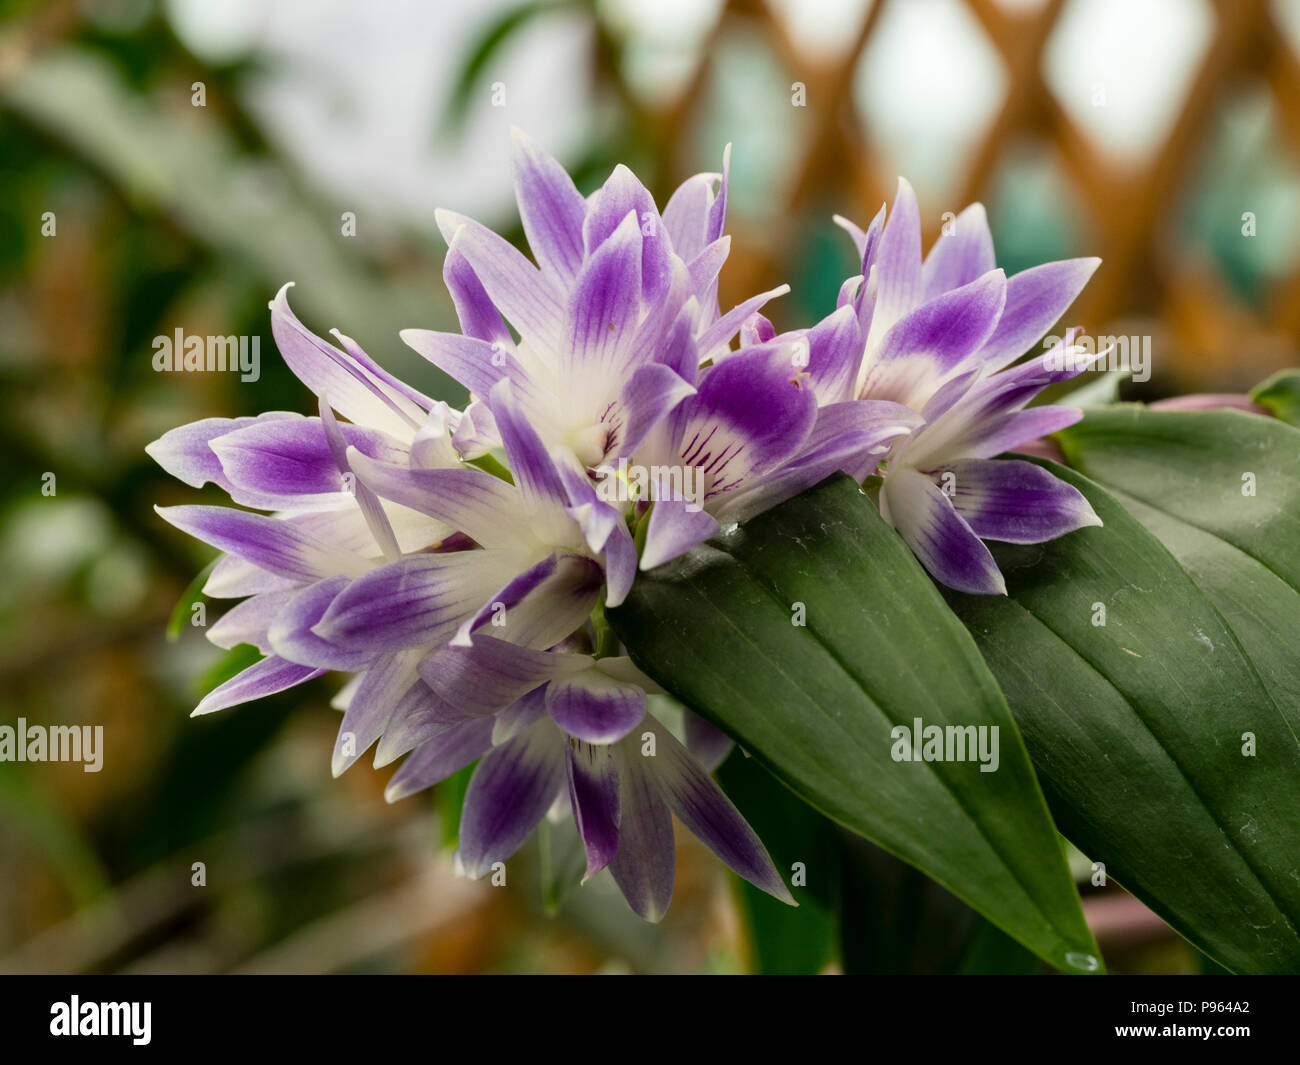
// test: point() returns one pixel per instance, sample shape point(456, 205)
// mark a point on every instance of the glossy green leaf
point(809, 634)
point(1226, 503)
point(1135, 699)
point(1233, 474)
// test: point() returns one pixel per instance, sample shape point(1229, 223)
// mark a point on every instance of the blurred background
point(169, 165)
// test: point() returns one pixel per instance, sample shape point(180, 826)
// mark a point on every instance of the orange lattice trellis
point(1127, 208)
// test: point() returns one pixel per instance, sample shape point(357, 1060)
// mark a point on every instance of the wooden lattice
point(1214, 337)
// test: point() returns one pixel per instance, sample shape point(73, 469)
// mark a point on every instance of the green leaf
point(817, 702)
point(991, 952)
point(1136, 725)
point(561, 863)
point(1232, 534)
point(1101, 390)
point(785, 939)
point(1280, 396)
point(229, 665)
point(449, 797)
point(192, 594)
point(858, 904)
point(895, 920)
point(488, 47)
point(1194, 465)
point(489, 463)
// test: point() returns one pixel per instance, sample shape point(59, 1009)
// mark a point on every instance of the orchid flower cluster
point(466, 597)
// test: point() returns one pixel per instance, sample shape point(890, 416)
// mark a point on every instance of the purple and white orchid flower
point(622, 299)
point(326, 532)
point(939, 335)
point(583, 743)
point(750, 437)
point(460, 601)
point(467, 607)
point(615, 322)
